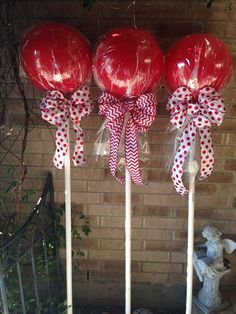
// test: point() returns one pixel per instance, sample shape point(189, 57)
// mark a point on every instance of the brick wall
point(159, 215)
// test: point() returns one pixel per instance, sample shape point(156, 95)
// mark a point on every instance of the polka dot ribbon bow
point(191, 117)
point(141, 113)
point(58, 110)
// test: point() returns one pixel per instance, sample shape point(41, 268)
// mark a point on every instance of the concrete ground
point(107, 298)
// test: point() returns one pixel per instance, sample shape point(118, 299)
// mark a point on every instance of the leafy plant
point(46, 268)
point(10, 197)
point(78, 233)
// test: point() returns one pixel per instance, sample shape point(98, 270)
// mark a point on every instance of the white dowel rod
point(193, 167)
point(127, 242)
point(68, 228)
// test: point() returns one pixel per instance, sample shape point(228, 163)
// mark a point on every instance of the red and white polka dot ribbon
point(190, 117)
point(141, 114)
point(58, 110)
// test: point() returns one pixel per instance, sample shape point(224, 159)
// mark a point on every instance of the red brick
point(155, 163)
point(150, 256)
point(158, 175)
point(106, 255)
point(119, 266)
point(164, 245)
point(178, 257)
point(163, 223)
point(119, 222)
point(149, 277)
point(230, 164)
point(98, 275)
point(106, 210)
point(95, 186)
point(233, 110)
point(158, 211)
point(221, 177)
point(204, 188)
point(90, 265)
point(217, 11)
point(87, 244)
point(81, 198)
point(200, 224)
point(228, 125)
point(76, 186)
point(92, 122)
point(211, 202)
point(221, 29)
point(151, 234)
point(82, 174)
point(157, 188)
point(223, 151)
point(107, 233)
point(160, 124)
point(159, 137)
point(158, 10)
point(108, 244)
point(162, 267)
point(115, 198)
point(162, 200)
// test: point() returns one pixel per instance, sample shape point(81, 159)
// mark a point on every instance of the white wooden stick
point(68, 228)
point(193, 168)
point(127, 242)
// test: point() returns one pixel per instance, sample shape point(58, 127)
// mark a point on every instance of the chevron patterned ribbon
point(58, 110)
point(141, 113)
point(191, 117)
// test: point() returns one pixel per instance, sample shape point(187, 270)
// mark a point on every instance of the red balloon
point(198, 60)
point(128, 62)
point(56, 57)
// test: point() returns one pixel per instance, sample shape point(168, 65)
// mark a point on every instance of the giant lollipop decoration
point(197, 66)
point(127, 65)
point(57, 58)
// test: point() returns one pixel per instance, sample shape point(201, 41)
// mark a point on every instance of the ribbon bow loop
point(113, 109)
point(191, 117)
point(141, 113)
point(145, 113)
point(212, 105)
point(58, 110)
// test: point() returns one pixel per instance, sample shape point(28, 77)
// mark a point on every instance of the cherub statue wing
point(229, 245)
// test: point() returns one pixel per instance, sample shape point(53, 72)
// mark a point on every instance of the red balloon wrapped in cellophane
point(197, 66)
point(127, 64)
point(57, 58)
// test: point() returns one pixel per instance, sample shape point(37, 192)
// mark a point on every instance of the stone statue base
point(199, 308)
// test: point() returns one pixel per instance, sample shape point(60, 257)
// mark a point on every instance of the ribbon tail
point(61, 146)
point(78, 155)
point(207, 154)
point(131, 153)
point(114, 147)
point(187, 140)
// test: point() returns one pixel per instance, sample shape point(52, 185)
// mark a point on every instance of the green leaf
point(10, 172)
point(81, 215)
point(11, 186)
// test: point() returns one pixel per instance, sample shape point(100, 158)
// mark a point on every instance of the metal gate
point(30, 272)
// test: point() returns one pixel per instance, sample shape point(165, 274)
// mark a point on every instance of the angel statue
point(211, 266)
